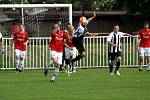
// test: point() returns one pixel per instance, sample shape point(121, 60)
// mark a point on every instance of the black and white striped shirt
point(115, 38)
point(80, 31)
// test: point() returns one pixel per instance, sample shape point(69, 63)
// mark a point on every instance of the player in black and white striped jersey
point(79, 34)
point(114, 49)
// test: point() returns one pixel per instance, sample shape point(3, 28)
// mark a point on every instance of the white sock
point(148, 67)
point(51, 64)
point(141, 66)
point(21, 64)
point(56, 71)
point(17, 63)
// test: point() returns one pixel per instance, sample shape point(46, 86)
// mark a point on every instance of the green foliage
point(132, 6)
point(102, 5)
point(138, 7)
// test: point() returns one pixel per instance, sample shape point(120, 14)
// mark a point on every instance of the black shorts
point(78, 43)
point(112, 56)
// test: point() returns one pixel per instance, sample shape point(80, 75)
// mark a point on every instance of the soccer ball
point(83, 20)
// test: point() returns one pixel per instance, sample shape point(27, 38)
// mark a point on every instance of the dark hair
point(116, 25)
point(68, 24)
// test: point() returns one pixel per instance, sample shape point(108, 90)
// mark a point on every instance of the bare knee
point(17, 57)
point(83, 54)
point(118, 58)
point(110, 62)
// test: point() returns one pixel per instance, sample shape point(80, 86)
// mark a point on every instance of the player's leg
point(67, 57)
point(57, 59)
point(148, 66)
point(17, 52)
point(63, 61)
point(111, 58)
point(141, 58)
point(147, 54)
point(50, 64)
point(79, 46)
point(73, 55)
point(118, 62)
point(80, 56)
point(81, 51)
point(22, 57)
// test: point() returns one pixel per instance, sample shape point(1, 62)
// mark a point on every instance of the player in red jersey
point(144, 45)
point(70, 50)
point(20, 40)
point(56, 46)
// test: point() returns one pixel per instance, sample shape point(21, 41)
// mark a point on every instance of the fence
point(38, 53)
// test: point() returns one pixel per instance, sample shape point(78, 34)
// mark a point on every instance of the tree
point(138, 7)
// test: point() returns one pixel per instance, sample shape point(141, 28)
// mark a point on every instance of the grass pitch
point(86, 84)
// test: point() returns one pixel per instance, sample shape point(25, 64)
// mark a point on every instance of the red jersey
point(57, 41)
point(20, 40)
point(69, 43)
point(145, 38)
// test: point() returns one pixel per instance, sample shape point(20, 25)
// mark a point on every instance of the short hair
point(68, 24)
point(116, 25)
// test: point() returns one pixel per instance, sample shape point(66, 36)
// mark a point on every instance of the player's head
point(56, 26)
point(116, 28)
point(146, 24)
point(22, 28)
point(83, 20)
point(71, 29)
point(68, 26)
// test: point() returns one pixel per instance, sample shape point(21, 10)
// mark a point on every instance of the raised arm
point(91, 18)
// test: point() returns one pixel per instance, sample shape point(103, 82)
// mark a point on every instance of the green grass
point(86, 84)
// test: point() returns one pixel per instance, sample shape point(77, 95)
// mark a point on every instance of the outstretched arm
point(91, 18)
point(127, 34)
point(91, 34)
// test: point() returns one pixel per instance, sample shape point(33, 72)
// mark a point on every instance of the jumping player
point(79, 34)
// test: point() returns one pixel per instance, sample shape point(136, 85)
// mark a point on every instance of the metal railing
point(38, 53)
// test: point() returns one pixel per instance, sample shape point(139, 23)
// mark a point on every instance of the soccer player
point(70, 50)
point(63, 59)
point(144, 46)
point(79, 34)
point(114, 49)
point(20, 40)
point(56, 46)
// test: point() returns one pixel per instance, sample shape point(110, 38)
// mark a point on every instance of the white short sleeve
point(109, 37)
point(81, 30)
point(122, 34)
